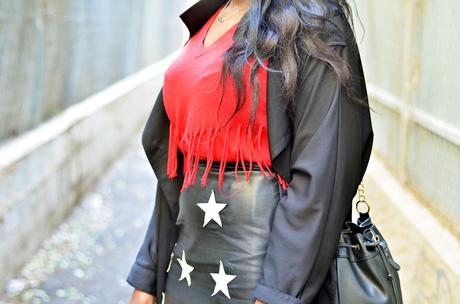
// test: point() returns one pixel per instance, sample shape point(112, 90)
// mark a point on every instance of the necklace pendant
point(220, 19)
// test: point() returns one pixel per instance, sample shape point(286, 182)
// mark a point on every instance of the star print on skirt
point(211, 210)
point(222, 239)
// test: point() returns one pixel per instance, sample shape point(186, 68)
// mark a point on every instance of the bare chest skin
point(217, 28)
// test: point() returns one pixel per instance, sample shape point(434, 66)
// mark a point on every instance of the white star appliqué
point(186, 269)
point(222, 279)
point(211, 210)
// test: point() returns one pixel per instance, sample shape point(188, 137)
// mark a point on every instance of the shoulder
point(338, 36)
point(336, 26)
point(319, 86)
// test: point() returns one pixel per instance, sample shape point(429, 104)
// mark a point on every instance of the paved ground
point(88, 257)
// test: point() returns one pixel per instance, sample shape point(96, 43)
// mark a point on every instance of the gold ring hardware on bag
point(361, 199)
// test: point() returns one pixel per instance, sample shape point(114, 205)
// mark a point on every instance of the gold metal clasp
point(361, 196)
point(361, 199)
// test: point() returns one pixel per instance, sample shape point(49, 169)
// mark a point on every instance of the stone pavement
point(426, 276)
point(87, 259)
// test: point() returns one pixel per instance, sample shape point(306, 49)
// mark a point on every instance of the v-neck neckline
point(221, 38)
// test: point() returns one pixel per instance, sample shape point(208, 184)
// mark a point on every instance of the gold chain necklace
point(222, 20)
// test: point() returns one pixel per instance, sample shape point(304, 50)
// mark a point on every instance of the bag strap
point(361, 198)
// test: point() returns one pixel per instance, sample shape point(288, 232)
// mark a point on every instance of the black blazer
point(323, 152)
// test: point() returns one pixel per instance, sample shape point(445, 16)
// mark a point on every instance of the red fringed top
point(191, 98)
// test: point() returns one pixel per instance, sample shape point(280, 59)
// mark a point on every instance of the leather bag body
point(366, 272)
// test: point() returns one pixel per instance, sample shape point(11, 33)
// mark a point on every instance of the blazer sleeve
point(328, 161)
point(149, 263)
point(143, 273)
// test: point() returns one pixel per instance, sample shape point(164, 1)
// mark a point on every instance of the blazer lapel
point(197, 15)
point(277, 118)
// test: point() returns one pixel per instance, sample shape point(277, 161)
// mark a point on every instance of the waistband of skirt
point(230, 165)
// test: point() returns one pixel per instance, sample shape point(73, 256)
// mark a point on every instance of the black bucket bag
point(366, 272)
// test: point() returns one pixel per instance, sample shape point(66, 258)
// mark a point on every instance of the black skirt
point(222, 238)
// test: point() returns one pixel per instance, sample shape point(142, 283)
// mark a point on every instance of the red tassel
point(284, 184)
point(250, 154)
point(210, 156)
point(188, 165)
point(196, 157)
point(223, 162)
point(171, 167)
point(264, 161)
point(191, 144)
point(240, 152)
point(185, 144)
point(259, 136)
point(237, 153)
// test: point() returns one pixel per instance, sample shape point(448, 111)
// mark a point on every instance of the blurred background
point(78, 79)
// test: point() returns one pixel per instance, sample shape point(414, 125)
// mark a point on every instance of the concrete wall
point(45, 171)
point(409, 50)
point(65, 115)
point(55, 53)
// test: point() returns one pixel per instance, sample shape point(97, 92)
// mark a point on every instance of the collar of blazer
point(278, 120)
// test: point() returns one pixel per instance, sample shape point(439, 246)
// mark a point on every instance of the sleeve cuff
point(273, 296)
point(142, 279)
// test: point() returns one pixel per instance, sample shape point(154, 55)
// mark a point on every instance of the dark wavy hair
point(287, 31)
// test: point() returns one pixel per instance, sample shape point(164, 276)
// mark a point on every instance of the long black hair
point(284, 30)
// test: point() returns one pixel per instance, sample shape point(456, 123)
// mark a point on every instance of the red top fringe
point(191, 97)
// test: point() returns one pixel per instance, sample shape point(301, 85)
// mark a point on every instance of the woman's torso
point(191, 97)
